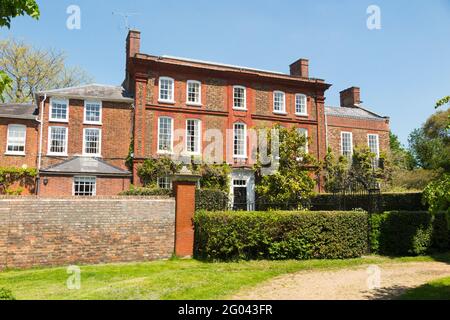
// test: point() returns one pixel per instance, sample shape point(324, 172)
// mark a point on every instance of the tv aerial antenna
point(126, 16)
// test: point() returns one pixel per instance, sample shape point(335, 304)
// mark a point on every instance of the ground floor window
point(165, 183)
point(84, 186)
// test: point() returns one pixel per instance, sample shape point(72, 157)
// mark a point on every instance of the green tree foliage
point(430, 145)
point(152, 169)
point(437, 194)
point(11, 175)
point(214, 177)
point(442, 102)
point(10, 9)
point(32, 69)
point(292, 182)
point(401, 158)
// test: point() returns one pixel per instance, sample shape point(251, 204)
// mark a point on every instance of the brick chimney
point(300, 68)
point(133, 43)
point(351, 97)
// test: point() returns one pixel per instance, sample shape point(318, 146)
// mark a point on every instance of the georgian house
point(79, 138)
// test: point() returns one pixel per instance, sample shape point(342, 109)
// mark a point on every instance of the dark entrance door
point(240, 199)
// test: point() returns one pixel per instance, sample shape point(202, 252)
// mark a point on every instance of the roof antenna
point(126, 16)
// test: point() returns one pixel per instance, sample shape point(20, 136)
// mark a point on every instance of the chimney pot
point(300, 68)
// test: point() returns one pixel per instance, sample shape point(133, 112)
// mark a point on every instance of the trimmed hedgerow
point(147, 192)
point(211, 200)
point(401, 233)
point(6, 294)
point(280, 235)
point(387, 202)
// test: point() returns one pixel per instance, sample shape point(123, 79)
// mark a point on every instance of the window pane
point(193, 92)
point(239, 98)
point(166, 89)
point(304, 133)
point(165, 183)
point(58, 137)
point(300, 104)
point(92, 141)
point(193, 136)
point(347, 146)
point(240, 139)
point(92, 110)
point(165, 134)
point(278, 102)
point(59, 110)
point(84, 186)
point(16, 139)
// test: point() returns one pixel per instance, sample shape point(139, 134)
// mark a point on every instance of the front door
point(240, 199)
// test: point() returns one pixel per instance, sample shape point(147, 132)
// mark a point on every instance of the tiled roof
point(357, 112)
point(93, 91)
point(18, 111)
point(85, 165)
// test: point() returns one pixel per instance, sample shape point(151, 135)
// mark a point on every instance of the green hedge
point(147, 192)
point(401, 233)
point(6, 294)
point(387, 202)
point(280, 235)
point(211, 200)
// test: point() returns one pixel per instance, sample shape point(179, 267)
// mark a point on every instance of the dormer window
point(239, 98)
point(59, 110)
point(166, 90)
point(301, 105)
point(279, 102)
point(194, 93)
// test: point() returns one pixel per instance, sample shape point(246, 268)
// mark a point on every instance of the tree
point(33, 70)
point(430, 144)
point(442, 102)
point(10, 9)
point(291, 186)
point(401, 158)
point(13, 8)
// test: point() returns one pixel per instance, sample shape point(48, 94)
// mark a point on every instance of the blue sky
point(402, 69)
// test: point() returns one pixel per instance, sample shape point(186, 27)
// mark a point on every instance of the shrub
point(280, 235)
point(400, 233)
point(387, 202)
point(11, 175)
point(6, 294)
point(152, 191)
point(211, 200)
point(437, 194)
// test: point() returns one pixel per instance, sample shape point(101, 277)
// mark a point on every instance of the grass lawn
point(435, 290)
point(173, 279)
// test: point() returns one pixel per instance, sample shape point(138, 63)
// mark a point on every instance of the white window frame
point(61, 101)
point(240, 156)
point(49, 145)
point(299, 130)
point(171, 136)
point(244, 108)
point(342, 142)
point(99, 154)
point(301, 95)
point(165, 180)
point(199, 102)
point(86, 102)
point(16, 153)
point(171, 99)
point(198, 138)
point(94, 193)
point(378, 143)
point(283, 111)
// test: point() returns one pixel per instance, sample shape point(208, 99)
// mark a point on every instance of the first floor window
point(165, 134)
point(165, 183)
point(93, 112)
point(84, 186)
point(92, 142)
point(193, 92)
point(279, 101)
point(193, 136)
point(304, 133)
point(300, 104)
point(57, 140)
point(240, 140)
point(374, 147)
point(239, 98)
point(59, 110)
point(347, 144)
point(16, 139)
point(166, 88)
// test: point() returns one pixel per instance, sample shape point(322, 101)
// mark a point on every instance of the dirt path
point(348, 284)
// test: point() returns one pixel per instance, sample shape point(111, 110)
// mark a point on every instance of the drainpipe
point(41, 125)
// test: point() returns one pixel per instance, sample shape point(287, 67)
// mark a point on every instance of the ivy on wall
point(11, 175)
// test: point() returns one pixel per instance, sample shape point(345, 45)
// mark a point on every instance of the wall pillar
point(184, 186)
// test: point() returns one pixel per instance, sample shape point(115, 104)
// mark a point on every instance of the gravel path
point(348, 284)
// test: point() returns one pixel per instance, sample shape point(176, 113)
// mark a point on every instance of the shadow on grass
point(386, 293)
point(437, 290)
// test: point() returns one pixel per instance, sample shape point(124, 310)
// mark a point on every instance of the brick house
point(178, 101)
point(177, 106)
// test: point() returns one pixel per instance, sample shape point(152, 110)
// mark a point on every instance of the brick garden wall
point(60, 232)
